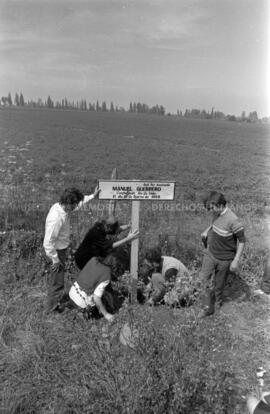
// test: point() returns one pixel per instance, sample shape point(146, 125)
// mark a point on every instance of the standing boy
point(224, 241)
point(57, 240)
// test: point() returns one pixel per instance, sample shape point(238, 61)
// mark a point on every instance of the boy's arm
point(97, 295)
point(205, 232)
point(266, 397)
point(235, 263)
point(102, 309)
point(149, 286)
point(204, 236)
point(238, 231)
point(131, 236)
point(87, 199)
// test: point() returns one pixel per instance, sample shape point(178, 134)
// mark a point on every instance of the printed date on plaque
point(136, 190)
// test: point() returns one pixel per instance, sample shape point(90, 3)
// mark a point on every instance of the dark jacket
point(94, 244)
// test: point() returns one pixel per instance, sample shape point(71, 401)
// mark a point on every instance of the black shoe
point(64, 299)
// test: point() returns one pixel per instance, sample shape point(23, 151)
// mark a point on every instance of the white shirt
point(57, 229)
point(173, 263)
point(82, 299)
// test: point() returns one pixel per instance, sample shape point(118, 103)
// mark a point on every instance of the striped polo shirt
point(226, 230)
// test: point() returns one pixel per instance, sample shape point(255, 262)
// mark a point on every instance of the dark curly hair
point(111, 225)
point(214, 198)
point(109, 229)
point(71, 196)
point(153, 254)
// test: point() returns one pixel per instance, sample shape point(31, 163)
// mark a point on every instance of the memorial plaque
point(136, 190)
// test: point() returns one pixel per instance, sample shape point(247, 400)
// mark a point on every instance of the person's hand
point(204, 234)
point(147, 291)
point(125, 226)
point(265, 394)
point(109, 317)
point(96, 191)
point(234, 266)
point(133, 235)
point(56, 267)
point(148, 287)
point(150, 302)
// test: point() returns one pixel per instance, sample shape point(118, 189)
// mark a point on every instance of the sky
point(176, 53)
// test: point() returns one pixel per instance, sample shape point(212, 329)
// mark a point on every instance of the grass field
point(43, 151)
point(57, 364)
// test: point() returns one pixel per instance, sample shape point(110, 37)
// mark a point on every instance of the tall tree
point(17, 99)
point(162, 110)
point(40, 103)
point(253, 116)
point(21, 100)
point(104, 106)
point(49, 102)
point(9, 99)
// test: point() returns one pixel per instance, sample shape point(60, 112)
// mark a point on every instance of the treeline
point(134, 107)
point(203, 114)
point(82, 105)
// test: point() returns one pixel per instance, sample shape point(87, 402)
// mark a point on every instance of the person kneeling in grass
point(88, 290)
point(164, 271)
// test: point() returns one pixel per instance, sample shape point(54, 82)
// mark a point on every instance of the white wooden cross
point(135, 191)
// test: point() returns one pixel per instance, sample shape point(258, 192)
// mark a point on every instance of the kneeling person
point(165, 272)
point(91, 283)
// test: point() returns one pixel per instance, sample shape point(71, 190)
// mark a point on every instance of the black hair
point(111, 228)
point(214, 198)
point(153, 254)
point(71, 196)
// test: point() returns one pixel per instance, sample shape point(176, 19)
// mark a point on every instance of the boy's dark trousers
point(265, 286)
point(214, 274)
point(56, 282)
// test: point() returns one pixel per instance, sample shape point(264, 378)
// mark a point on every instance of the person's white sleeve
point(53, 225)
point(85, 200)
point(100, 288)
